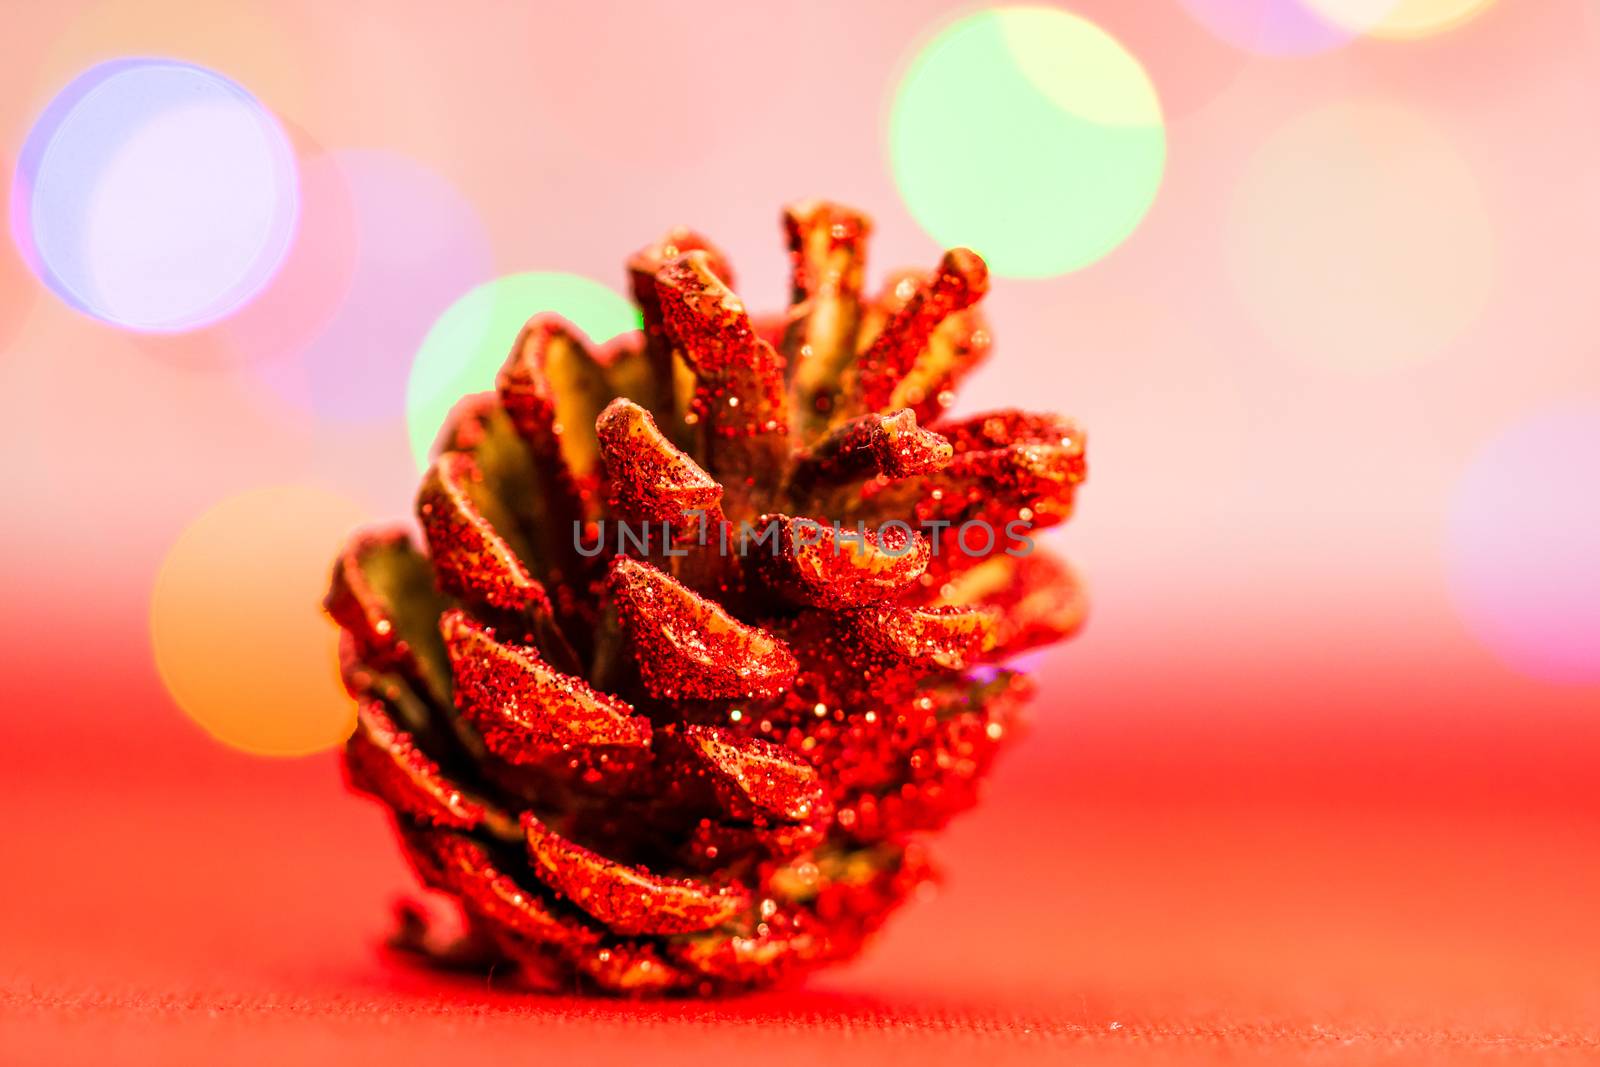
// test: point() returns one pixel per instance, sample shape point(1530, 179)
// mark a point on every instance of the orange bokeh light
point(238, 637)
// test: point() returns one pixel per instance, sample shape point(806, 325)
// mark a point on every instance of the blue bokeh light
point(155, 195)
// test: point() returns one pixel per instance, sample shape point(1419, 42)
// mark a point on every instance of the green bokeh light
point(1030, 135)
point(470, 341)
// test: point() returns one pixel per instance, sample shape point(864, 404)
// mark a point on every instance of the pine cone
point(700, 759)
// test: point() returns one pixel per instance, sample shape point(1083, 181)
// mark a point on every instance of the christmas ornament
point(706, 635)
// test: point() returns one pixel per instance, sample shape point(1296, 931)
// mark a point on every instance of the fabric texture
point(1106, 904)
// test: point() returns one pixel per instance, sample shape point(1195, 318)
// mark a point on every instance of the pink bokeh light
point(418, 245)
point(1270, 27)
point(1524, 544)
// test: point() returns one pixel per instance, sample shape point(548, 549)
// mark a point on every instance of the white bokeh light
point(155, 195)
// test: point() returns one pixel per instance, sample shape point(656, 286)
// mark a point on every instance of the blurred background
point(1317, 276)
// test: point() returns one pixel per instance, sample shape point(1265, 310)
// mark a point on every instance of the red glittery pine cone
point(699, 759)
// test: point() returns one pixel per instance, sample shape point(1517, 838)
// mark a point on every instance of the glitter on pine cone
point(677, 763)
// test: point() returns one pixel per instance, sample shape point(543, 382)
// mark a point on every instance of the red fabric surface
point(1155, 882)
point(1205, 863)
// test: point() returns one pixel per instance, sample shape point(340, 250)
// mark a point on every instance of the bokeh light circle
point(1358, 238)
point(1030, 135)
point(1306, 27)
point(417, 243)
point(470, 341)
point(292, 309)
point(154, 194)
point(312, 284)
point(1523, 545)
point(1284, 27)
point(235, 621)
point(1399, 18)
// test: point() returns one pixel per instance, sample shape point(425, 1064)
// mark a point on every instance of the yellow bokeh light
point(1399, 19)
point(236, 627)
point(1078, 68)
point(1359, 239)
